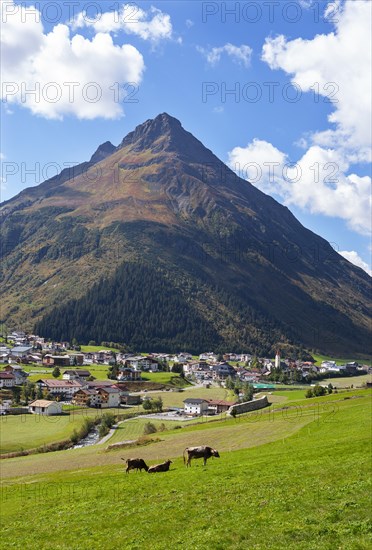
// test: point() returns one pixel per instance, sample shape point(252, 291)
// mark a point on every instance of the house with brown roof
point(60, 387)
point(7, 380)
point(216, 406)
point(56, 360)
point(101, 397)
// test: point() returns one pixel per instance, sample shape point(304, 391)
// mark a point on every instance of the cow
point(135, 464)
point(203, 451)
point(164, 467)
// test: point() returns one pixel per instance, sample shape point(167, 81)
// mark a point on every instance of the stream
point(91, 439)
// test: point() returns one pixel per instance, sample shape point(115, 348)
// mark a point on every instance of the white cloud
point(189, 23)
point(317, 182)
point(71, 75)
point(322, 180)
point(339, 64)
point(240, 54)
point(355, 259)
point(153, 25)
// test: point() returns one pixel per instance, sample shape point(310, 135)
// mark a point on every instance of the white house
point(7, 380)
point(196, 407)
point(19, 375)
point(106, 397)
point(44, 407)
point(58, 387)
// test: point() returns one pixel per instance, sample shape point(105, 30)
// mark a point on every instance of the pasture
point(28, 431)
point(296, 482)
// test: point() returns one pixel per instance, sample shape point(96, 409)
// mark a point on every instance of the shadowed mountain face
point(158, 244)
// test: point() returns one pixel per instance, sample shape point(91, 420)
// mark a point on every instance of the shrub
point(149, 428)
point(103, 430)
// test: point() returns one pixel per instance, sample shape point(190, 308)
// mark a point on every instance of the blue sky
point(278, 90)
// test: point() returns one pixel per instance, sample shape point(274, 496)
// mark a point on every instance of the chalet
point(129, 374)
point(103, 356)
point(82, 397)
point(106, 397)
point(196, 407)
point(7, 380)
point(60, 387)
point(221, 371)
point(196, 367)
point(77, 374)
point(56, 360)
point(19, 375)
point(44, 407)
point(77, 359)
point(217, 407)
point(140, 362)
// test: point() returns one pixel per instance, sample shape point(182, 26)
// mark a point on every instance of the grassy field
point(298, 483)
point(91, 349)
point(320, 358)
point(28, 431)
point(133, 429)
point(39, 371)
point(348, 381)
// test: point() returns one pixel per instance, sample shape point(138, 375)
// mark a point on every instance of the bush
point(103, 430)
point(149, 428)
point(108, 419)
point(319, 391)
point(74, 437)
point(309, 393)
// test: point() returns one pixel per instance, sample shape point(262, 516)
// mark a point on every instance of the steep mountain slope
point(243, 269)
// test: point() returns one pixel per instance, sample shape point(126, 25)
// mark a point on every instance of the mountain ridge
point(162, 199)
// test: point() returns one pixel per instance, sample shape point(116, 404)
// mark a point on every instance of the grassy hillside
point(305, 488)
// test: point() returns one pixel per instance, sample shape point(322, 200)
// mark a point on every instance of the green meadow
point(295, 478)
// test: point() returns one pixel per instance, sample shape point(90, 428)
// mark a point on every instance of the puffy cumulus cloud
point(355, 259)
point(55, 74)
point(337, 66)
point(317, 182)
point(240, 54)
point(260, 163)
point(153, 25)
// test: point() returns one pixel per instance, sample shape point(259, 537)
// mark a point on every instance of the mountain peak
point(103, 151)
point(165, 133)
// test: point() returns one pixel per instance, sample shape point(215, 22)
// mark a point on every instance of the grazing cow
point(199, 452)
point(135, 464)
point(164, 467)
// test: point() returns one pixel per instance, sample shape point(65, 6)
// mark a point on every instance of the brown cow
point(164, 467)
point(203, 451)
point(135, 464)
